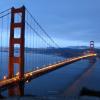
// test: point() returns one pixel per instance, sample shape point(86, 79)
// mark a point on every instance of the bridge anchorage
point(15, 83)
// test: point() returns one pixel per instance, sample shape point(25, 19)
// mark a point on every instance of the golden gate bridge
point(16, 36)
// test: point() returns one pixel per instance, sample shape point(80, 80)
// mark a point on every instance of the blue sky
point(68, 22)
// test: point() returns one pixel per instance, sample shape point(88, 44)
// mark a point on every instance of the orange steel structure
point(19, 60)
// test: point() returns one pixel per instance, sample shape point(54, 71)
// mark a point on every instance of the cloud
point(65, 20)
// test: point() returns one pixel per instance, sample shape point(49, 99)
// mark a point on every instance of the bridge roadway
point(8, 83)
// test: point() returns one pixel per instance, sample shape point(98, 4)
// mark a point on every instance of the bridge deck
point(7, 83)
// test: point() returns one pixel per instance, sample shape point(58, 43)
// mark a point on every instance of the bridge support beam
point(19, 59)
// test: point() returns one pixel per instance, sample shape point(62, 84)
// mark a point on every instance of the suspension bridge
point(21, 37)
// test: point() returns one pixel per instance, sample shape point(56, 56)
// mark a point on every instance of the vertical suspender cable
point(8, 36)
point(30, 40)
point(25, 46)
point(1, 40)
point(33, 41)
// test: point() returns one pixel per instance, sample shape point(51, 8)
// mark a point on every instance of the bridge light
point(5, 77)
point(26, 75)
point(15, 79)
point(17, 73)
point(31, 74)
point(95, 54)
point(27, 81)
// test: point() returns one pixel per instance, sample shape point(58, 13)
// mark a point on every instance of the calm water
point(53, 83)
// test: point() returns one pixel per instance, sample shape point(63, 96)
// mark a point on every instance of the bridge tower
point(19, 59)
point(91, 46)
point(92, 59)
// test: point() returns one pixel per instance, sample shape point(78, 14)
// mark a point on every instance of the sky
point(68, 22)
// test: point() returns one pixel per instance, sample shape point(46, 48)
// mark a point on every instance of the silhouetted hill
point(64, 52)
